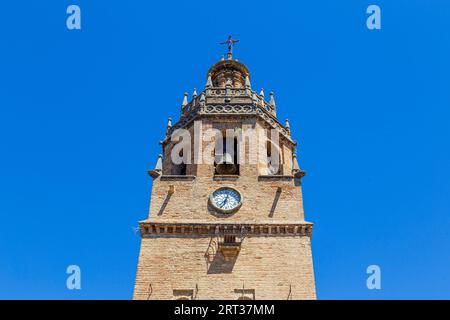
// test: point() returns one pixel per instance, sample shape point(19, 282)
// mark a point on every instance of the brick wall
point(274, 267)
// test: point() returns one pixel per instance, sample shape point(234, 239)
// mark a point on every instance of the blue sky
point(81, 114)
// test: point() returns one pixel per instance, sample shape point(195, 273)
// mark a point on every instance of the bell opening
point(227, 163)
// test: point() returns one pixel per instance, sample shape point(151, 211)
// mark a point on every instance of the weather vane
point(230, 42)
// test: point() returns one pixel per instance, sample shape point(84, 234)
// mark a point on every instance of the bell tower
point(226, 216)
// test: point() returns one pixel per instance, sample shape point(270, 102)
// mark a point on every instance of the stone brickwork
point(189, 250)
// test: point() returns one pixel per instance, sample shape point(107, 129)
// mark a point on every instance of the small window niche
point(183, 294)
point(245, 294)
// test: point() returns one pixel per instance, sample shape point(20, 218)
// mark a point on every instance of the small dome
point(228, 73)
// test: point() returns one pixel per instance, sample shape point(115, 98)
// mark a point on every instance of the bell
point(226, 165)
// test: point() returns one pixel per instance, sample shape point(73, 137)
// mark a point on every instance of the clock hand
point(224, 201)
point(221, 203)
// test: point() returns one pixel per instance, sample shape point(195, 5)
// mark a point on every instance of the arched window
point(180, 169)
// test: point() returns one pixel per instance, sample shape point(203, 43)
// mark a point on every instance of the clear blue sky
point(81, 114)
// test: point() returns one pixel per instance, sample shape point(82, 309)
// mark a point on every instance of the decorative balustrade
point(200, 105)
point(226, 92)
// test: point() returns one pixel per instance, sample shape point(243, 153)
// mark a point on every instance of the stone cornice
point(220, 228)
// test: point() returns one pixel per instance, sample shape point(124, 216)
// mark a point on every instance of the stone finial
point(202, 98)
point(288, 127)
point(185, 100)
point(222, 58)
point(169, 125)
point(158, 168)
point(296, 171)
point(194, 94)
point(209, 81)
point(247, 82)
point(254, 98)
point(272, 100)
point(261, 93)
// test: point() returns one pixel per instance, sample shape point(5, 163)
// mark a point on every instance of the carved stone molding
point(148, 228)
point(235, 109)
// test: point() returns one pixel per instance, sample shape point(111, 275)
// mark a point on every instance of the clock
point(226, 200)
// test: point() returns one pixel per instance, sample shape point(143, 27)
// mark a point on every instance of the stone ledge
point(275, 177)
point(177, 178)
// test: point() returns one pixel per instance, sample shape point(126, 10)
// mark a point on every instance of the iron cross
point(230, 42)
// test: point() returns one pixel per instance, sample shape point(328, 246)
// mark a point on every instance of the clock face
point(226, 200)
